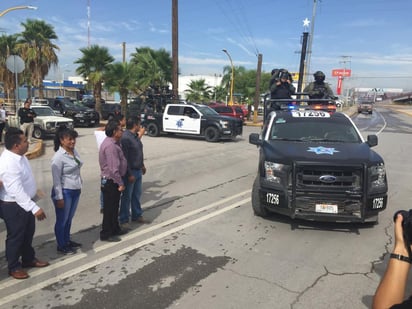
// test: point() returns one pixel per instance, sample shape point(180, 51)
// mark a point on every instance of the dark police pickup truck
point(192, 119)
point(315, 165)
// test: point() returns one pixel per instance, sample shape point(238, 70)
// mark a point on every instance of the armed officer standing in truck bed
point(281, 88)
point(318, 89)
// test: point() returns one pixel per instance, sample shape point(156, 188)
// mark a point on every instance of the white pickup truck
point(45, 123)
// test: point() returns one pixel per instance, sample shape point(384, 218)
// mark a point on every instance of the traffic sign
point(341, 72)
point(15, 64)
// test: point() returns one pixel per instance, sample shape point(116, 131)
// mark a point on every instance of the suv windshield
point(43, 111)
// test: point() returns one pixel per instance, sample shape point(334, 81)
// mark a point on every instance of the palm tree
point(239, 73)
point(92, 67)
point(121, 77)
point(38, 51)
point(150, 73)
point(7, 48)
point(162, 58)
point(198, 91)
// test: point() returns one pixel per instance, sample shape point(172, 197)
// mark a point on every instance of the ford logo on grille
point(327, 178)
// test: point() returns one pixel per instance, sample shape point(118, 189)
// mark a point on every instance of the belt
point(7, 203)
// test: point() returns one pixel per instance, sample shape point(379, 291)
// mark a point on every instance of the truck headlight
point(274, 171)
point(377, 176)
point(224, 124)
point(49, 125)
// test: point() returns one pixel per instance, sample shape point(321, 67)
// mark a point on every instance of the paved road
point(204, 248)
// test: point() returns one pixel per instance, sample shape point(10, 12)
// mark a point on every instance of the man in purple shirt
point(113, 167)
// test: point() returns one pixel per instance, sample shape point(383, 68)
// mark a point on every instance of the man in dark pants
point(17, 205)
point(113, 167)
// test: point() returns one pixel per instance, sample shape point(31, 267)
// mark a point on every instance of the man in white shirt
point(2, 121)
point(17, 205)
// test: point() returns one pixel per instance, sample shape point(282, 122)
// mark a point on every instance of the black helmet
point(319, 76)
point(274, 72)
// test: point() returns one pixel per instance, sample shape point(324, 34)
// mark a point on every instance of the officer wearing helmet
point(318, 89)
point(280, 87)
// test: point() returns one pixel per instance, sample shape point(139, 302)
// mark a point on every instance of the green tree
point(38, 51)
point(219, 93)
point(7, 48)
point(121, 77)
point(149, 72)
point(154, 66)
point(198, 91)
point(92, 67)
point(238, 73)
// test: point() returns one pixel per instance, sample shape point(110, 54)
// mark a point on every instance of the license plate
point(91, 121)
point(327, 208)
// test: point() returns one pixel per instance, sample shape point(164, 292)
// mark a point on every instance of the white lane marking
point(384, 124)
point(116, 254)
point(171, 221)
point(10, 282)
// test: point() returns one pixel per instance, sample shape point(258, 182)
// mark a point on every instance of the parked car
point(81, 115)
point(90, 101)
point(45, 123)
point(228, 110)
point(244, 109)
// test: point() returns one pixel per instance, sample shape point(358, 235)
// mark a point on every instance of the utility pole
point(88, 23)
point(175, 50)
point(124, 51)
point(257, 90)
point(309, 52)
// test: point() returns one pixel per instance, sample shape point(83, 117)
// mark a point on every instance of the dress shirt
point(133, 151)
point(100, 136)
point(66, 172)
point(113, 164)
point(18, 181)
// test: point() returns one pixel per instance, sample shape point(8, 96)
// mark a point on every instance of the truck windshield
point(206, 110)
point(304, 131)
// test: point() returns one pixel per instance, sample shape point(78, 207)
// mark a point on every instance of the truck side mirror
point(194, 115)
point(372, 140)
point(254, 138)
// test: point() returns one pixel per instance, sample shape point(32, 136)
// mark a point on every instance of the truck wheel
point(211, 134)
point(37, 133)
point(258, 208)
point(152, 130)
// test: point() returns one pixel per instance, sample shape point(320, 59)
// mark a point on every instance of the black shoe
point(73, 244)
point(66, 250)
point(121, 232)
point(111, 239)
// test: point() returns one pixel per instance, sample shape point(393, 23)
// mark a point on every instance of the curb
point(37, 150)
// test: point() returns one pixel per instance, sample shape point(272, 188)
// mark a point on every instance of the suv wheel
point(211, 134)
point(152, 130)
point(258, 209)
point(37, 132)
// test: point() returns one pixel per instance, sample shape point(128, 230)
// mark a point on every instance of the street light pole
point(19, 7)
point(232, 77)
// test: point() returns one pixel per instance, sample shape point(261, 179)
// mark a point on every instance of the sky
point(372, 38)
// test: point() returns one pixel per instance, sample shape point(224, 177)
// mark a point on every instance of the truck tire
point(37, 133)
point(152, 130)
point(258, 208)
point(212, 134)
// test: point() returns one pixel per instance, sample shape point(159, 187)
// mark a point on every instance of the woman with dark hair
point(67, 184)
